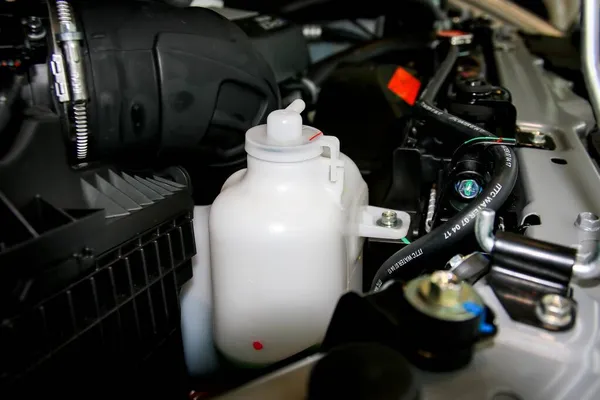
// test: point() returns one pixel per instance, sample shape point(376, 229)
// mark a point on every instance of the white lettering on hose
point(468, 125)
point(431, 109)
point(415, 254)
point(508, 158)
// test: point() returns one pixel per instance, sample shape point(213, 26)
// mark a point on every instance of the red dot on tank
point(257, 345)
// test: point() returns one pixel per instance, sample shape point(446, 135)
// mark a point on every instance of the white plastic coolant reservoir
point(286, 239)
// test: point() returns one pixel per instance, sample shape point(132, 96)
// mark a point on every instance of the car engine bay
point(298, 200)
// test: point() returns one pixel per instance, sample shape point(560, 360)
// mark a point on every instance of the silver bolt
point(389, 219)
point(3, 99)
point(35, 27)
point(555, 310)
point(442, 288)
point(538, 137)
point(587, 221)
point(455, 261)
point(34, 23)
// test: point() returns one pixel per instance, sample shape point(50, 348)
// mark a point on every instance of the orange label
point(404, 85)
point(450, 33)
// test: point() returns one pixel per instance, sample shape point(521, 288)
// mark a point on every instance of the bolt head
point(588, 222)
point(389, 219)
point(442, 288)
point(389, 214)
point(468, 189)
point(555, 310)
point(538, 137)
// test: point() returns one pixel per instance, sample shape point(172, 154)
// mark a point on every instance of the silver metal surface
point(559, 184)
point(71, 49)
point(587, 266)
point(80, 123)
point(590, 51)
point(56, 62)
point(555, 310)
point(509, 13)
point(554, 192)
point(288, 383)
point(61, 87)
point(484, 229)
point(525, 277)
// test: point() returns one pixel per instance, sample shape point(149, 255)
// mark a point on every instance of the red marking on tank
point(316, 135)
point(257, 345)
point(499, 140)
point(18, 63)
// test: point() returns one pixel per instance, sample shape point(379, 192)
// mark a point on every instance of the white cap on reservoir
point(284, 138)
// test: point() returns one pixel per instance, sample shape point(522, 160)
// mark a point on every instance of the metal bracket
point(530, 278)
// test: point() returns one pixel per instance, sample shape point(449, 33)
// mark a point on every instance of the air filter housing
point(91, 264)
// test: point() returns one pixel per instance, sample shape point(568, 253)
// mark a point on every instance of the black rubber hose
point(363, 52)
point(331, 34)
point(443, 238)
point(418, 254)
point(437, 81)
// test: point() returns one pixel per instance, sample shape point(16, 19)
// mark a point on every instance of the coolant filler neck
point(283, 139)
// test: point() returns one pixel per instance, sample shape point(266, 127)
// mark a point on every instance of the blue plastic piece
point(479, 311)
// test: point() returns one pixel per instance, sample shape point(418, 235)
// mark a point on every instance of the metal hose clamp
point(66, 64)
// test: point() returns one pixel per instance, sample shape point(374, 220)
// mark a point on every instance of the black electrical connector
point(434, 331)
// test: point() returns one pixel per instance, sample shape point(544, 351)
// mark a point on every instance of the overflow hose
point(362, 52)
point(416, 257)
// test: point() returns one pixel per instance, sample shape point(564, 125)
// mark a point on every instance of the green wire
point(405, 240)
point(489, 138)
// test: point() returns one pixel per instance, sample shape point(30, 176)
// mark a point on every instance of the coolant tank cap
point(285, 126)
point(284, 139)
